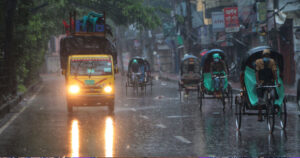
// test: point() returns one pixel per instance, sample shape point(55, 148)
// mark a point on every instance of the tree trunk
point(9, 55)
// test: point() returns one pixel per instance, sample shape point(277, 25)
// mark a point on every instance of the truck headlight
point(74, 89)
point(107, 89)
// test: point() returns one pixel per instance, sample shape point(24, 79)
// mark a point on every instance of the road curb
point(6, 107)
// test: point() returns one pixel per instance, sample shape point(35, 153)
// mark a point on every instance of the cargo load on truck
point(72, 45)
point(90, 35)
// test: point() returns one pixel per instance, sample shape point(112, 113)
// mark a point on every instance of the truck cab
point(90, 81)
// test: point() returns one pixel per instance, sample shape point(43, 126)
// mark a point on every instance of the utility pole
point(189, 25)
point(119, 47)
point(176, 52)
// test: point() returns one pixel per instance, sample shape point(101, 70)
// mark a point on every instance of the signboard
point(246, 12)
point(261, 11)
point(217, 21)
point(231, 19)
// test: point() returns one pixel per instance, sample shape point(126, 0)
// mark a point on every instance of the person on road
point(217, 68)
point(266, 74)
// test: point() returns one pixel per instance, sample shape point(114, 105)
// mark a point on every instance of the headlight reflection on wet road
point(75, 139)
point(109, 137)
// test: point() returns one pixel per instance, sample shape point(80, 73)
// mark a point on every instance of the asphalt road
point(155, 124)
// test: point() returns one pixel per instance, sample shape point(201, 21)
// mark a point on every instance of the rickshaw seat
point(250, 83)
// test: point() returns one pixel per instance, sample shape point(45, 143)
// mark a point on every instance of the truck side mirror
point(116, 70)
point(63, 72)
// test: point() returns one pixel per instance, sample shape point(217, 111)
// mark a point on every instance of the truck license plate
point(89, 82)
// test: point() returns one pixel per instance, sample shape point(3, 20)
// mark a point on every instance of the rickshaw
point(247, 103)
point(189, 75)
point(206, 86)
point(138, 75)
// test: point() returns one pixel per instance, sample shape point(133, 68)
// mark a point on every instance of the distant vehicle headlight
point(74, 89)
point(107, 89)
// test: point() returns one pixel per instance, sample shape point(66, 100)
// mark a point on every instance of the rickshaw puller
point(218, 66)
point(266, 74)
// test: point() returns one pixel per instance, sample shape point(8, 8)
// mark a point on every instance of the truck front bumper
point(91, 100)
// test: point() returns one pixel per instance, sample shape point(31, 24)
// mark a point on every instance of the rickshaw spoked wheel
point(70, 108)
point(230, 96)
point(238, 113)
point(111, 107)
point(283, 115)
point(200, 101)
point(270, 112)
point(223, 99)
point(126, 86)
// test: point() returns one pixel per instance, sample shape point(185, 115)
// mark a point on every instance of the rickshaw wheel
point(230, 97)
point(111, 107)
point(137, 89)
point(223, 100)
point(200, 101)
point(270, 116)
point(283, 115)
point(70, 108)
point(126, 86)
point(238, 113)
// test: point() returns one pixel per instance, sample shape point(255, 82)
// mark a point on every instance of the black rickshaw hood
point(207, 59)
point(188, 56)
point(140, 59)
point(256, 53)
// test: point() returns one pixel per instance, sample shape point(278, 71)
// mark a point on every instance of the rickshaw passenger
point(134, 69)
point(217, 67)
point(266, 74)
point(134, 66)
point(137, 67)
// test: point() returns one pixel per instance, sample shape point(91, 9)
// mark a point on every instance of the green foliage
point(36, 21)
point(123, 12)
point(179, 19)
point(21, 88)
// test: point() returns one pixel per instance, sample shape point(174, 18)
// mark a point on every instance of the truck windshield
point(90, 67)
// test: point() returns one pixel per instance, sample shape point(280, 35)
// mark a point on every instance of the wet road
point(157, 124)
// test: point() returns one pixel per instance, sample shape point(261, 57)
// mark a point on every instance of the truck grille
point(91, 89)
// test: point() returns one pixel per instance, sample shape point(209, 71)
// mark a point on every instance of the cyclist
point(266, 74)
point(217, 67)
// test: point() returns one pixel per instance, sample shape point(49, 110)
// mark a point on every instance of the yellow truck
point(88, 62)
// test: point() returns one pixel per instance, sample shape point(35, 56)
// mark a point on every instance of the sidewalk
point(6, 107)
point(290, 91)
